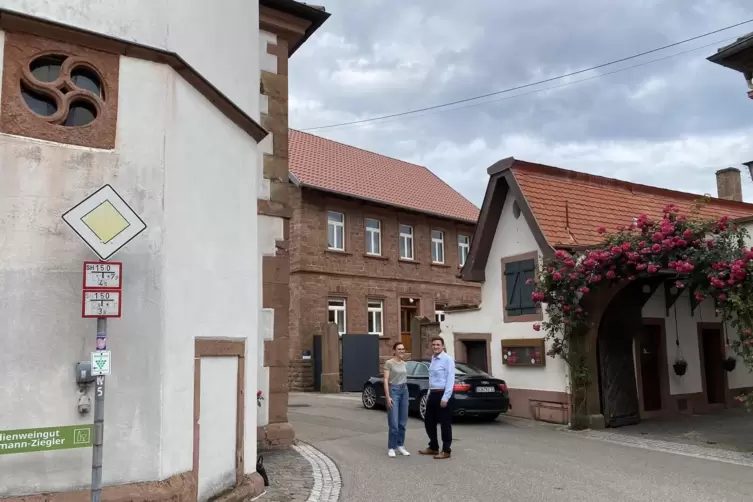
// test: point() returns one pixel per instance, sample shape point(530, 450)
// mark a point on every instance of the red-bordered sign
point(101, 302)
point(103, 275)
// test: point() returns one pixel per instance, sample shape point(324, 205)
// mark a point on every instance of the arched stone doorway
point(616, 319)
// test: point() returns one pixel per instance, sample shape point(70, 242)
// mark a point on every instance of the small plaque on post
point(101, 303)
point(102, 274)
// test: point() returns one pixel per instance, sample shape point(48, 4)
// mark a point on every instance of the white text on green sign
point(46, 439)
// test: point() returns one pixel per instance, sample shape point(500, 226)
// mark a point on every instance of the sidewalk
point(300, 473)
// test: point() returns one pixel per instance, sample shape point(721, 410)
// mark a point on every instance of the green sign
point(46, 439)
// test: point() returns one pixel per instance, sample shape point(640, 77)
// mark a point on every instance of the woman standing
point(396, 394)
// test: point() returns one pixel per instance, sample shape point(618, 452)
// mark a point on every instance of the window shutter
point(512, 287)
point(527, 271)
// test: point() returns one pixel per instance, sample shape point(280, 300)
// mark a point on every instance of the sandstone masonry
point(317, 274)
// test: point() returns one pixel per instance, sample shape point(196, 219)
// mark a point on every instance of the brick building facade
point(369, 264)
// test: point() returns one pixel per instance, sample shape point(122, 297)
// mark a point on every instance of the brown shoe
point(427, 451)
point(442, 455)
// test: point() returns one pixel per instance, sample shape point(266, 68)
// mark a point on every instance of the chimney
point(729, 184)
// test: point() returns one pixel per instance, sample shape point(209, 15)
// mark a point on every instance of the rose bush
point(708, 257)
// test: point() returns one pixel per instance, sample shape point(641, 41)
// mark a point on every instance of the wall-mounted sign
point(45, 439)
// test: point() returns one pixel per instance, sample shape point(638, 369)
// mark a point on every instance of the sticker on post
point(104, 221)
point(102, 274)
point(101, 363)
point(101, 303)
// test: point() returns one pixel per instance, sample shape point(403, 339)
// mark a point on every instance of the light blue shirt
point(442, 374)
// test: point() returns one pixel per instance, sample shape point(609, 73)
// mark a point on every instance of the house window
point(406, 242)
point(373, 237)
point(376, 314)
point(439, 312)
point(336, 231)
point(337, 313)
point(59, 92)
point(518, 302)
point(437, 246)
point(464, 245)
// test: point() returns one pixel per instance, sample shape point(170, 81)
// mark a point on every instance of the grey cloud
point(375, 57)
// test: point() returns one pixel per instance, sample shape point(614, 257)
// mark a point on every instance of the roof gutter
point(314, 14)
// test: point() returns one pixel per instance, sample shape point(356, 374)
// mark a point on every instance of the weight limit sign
point(101, 303)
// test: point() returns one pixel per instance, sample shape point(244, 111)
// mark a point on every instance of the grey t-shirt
point(398, 372)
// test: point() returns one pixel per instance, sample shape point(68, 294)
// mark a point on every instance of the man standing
point(438, 404)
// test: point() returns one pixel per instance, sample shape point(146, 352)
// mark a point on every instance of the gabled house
point(531, 210)
point(374, 242)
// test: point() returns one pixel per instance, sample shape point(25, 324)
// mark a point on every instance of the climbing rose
point(557, 276)
point(537, 327)
point(601, 230)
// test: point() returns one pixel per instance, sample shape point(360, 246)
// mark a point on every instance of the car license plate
point(484, 389)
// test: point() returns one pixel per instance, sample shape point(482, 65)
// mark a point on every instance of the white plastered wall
point(685, 329)
point(218, 407)
point(513, 237)
point(42, 334)
point(192, 273)
point(213, 276)
point(209, 38)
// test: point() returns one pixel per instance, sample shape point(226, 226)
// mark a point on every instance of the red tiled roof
point(570, 206)
point(327, 165)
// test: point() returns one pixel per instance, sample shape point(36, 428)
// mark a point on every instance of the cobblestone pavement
point(300, 474)
point(688, 450)
point(730, 430)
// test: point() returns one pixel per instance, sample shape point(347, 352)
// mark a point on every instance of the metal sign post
point(99, 420)
point(106, 223)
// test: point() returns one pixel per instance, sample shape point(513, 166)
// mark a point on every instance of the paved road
point(511, 460)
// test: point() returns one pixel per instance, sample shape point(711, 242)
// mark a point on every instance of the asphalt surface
point(509, 460)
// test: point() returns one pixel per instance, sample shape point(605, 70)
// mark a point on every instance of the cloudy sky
point(670, 123)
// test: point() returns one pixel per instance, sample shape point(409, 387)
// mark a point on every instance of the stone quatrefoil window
point(63, 90)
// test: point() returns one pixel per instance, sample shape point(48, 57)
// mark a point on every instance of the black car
point(476, 393)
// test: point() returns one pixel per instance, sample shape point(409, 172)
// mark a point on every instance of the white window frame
point(373, 235)
point(439, 314)
point(340, 311)
point(336, 225)
point(464, 248)
point(437, 244)
point(375, 308)
point(408, 238)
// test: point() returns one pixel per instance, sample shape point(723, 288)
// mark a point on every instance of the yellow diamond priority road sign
point(105, 222)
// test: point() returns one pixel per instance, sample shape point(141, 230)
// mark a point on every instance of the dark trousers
point(435, 414)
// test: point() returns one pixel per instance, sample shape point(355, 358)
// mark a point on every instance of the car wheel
point(368, 397)
point(422, 405)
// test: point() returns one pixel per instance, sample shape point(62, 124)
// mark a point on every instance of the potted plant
point(729, 363)
point(680, 366)
point(259, 398)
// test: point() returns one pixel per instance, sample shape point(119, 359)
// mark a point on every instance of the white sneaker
point(403, 451)
point(391, 453)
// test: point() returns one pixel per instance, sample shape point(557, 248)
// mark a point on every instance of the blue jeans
point(397, 416)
